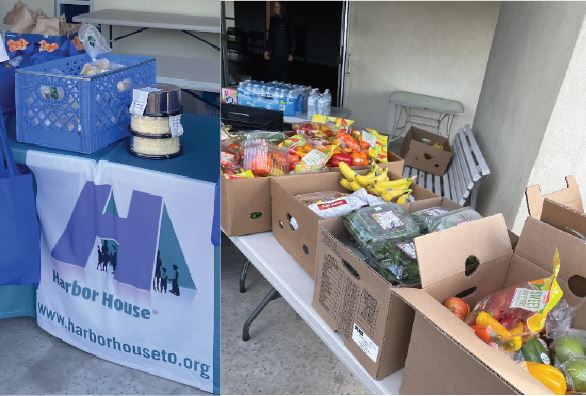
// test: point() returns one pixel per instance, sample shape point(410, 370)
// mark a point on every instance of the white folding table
point(187, 73)
point(296, 287)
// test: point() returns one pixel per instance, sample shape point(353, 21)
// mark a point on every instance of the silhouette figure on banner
point(175, 281)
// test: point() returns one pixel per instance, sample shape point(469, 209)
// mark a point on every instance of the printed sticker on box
point(365, 343)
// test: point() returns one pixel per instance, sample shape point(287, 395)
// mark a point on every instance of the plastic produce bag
point(510, 316)
point(426, 217)
point(402, 269)
point(94, 43)
point(378, 228)
point(264, 159)
point(454, 218)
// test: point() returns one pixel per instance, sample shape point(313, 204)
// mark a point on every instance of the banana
point(366, 180)
point(346, 184)
point(355, 186)
point(401, 184)
point(403, 198)
point(346, 171)
point(389, 195)
point(383, 176)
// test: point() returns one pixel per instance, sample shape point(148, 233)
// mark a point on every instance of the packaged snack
point(377, 144)
point(231, 156)
point(454, 218)
point(513, 315)
point(316, 197)
point(340, 206)
point(264, 159)
point(377, 229)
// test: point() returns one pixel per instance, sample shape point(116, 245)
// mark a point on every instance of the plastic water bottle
point(324, 103)
point(312, 103)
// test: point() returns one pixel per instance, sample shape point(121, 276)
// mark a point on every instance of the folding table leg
point(243, 274)
point(273, 294)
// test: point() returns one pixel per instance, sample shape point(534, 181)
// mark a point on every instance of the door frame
point(344, 63)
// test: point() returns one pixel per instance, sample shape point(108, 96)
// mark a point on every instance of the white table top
point(189, 73)
point(296, 287)
point(155, 20)
point(340, 112)
point(426, 102)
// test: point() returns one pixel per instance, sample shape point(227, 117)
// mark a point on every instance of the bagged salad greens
point(378, 228)
point(402, 268)
point(453, 218)
point(426, 217)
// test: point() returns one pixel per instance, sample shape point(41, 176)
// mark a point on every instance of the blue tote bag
point(20, 254)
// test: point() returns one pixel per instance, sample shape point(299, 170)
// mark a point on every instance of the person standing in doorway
point(280, 44)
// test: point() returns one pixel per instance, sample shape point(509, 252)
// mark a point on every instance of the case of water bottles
point(291, 99)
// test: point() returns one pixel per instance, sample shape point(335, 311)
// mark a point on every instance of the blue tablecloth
point(200, 160)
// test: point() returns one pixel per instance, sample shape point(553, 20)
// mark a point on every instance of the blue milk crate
point(56, 107)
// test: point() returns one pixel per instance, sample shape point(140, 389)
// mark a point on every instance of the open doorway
point(318, 43)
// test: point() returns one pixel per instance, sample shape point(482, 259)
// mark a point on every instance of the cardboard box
point(230, 95)
point(246, 203)
point(358, 303)
point(295, 226)
point(418, 152)
point(439, 337)
point(569, 196)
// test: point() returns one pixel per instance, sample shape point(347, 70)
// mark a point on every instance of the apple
point(576, 369)
point(567, 347)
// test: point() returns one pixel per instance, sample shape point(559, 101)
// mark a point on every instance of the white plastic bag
point(93, 42)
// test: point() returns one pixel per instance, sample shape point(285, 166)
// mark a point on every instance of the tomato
point(459, 307)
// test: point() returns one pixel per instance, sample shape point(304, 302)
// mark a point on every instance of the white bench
point(467, 171)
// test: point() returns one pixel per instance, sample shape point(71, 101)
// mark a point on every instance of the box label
point(529, 299)
point(139, 100)
point(175, 125)
point(388, 220)
point(365, 343)
point(408, 249)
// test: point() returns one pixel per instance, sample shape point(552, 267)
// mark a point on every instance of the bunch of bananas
point(377, 183)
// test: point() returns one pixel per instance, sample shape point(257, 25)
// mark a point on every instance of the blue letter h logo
point(137, 235)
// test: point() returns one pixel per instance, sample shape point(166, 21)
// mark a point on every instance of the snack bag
point(340, 206)
point(339, 122)
point(511, 316)
point(377, 149)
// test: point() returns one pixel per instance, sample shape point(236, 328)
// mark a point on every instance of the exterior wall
point(531, 50)
point(563, 149)
point(434, 48)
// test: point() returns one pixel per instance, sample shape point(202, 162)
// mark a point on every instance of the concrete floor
point(283, 356)
point(34, 362)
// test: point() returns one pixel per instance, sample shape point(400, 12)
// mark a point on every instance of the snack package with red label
point(264, 158)
point(340, 206)
point(516, 314)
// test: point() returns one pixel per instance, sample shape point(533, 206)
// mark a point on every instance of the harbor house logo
point(141, 250)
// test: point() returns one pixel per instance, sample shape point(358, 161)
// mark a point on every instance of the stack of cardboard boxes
point(386, 327)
